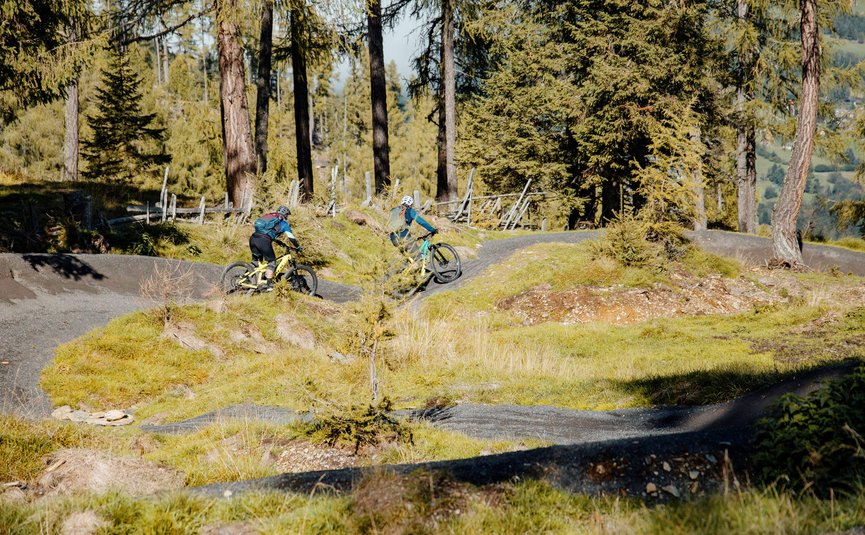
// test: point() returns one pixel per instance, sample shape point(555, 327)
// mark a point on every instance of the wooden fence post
point(544, 225)
point(201, 207)
point(147, 209)
point(163, 195)
point(174, 207)
point(513, 211)
point(394, 190)
point(366, 178)
point(416, 198)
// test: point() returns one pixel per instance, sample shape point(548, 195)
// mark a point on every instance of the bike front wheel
point(445, 262)
point(237, 277)
point(302, 279)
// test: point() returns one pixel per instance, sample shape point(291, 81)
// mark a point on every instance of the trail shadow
point(67, 266)
point(728, 398)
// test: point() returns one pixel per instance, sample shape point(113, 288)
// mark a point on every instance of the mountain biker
point(401, 218)
point(267, 229)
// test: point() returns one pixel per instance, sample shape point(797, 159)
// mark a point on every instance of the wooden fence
point(502, 208)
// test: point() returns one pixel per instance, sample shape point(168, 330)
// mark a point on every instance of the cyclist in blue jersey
point(267, 229)
point(399, 223)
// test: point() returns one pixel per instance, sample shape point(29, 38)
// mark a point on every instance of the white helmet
point(408, 200)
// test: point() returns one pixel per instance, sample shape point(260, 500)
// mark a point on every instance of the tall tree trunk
point(378, 96)
point(166, 60)
point(70, 142)
point(158, 61)
point(71, 139)
point(441, 158)
point(449, 85)
point(301, 111)
point(238, 150)
point(700, 219)
point(262, 95)
point(784, 241)
point(746, 174)
point(746, 147)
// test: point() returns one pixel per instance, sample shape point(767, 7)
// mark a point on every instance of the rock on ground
point(83, 523)
point(82, 470)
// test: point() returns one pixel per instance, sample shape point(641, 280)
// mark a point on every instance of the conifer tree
point(125, 142)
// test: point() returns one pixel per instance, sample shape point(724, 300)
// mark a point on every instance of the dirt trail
point(46, 300)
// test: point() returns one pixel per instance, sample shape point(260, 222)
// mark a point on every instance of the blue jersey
point(412, 215)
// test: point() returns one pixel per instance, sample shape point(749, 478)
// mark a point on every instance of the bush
point(816, 441)
point(634, 243)
point(359, 427)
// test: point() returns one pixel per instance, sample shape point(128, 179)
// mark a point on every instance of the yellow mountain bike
point(249, 278)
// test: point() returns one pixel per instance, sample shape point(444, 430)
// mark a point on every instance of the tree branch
point(172, 28)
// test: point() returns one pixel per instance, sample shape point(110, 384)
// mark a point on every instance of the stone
point(693, 474)
point(291, 330)
point(360, 218)
point(672, 490)
point(97, 421)
point(711, 458)
point(62, 413)
point(83, 523)
point(651, 488)
point(13, 495)
point(79, 416)
point(126, 420)
point(666, 466)
point(114, 414)
point(338, 357)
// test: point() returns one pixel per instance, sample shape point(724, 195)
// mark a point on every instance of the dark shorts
point(262, 247)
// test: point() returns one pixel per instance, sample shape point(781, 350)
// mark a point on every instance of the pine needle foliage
point(125, 143)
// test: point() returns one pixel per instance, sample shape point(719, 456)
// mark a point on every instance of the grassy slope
point(458, 345)
point(424, 503)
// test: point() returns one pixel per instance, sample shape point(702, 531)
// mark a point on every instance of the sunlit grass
point(427, 503)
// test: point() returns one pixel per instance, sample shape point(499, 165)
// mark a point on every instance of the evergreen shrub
point(816, 442)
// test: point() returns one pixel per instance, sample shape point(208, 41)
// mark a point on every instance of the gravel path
point(46, 300)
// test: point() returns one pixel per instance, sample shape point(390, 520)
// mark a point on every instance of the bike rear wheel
point(302, 279)
point(446, 265)
point(237, 277)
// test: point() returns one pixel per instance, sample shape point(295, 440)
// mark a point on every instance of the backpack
point(396, 221)
point(266, 224)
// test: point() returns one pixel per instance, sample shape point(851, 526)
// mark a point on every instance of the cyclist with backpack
point(267, 229)
point(401, 218)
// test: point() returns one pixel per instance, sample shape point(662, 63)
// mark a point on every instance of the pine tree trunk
point(70, 143)
point(784, 241)
point(441, 159)
point(301, 112)
point(378, 95)
point(746, 174)
point(262, 95)
point(71, 138)
point(165, 60)
point(158, 61)
point(449, 83)
point(238, 151)
point(746, 147)
point(700, 219)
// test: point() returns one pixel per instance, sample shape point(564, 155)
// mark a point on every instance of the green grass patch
point(559, 266)
point(433, 503)
point(24, 443)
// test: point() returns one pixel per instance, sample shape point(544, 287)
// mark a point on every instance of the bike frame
point(257, 274)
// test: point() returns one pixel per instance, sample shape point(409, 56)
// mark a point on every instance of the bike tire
point(234, 276)
point(302, 279)
point(446, 265)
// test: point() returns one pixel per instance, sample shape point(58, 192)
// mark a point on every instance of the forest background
point(612, 106)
